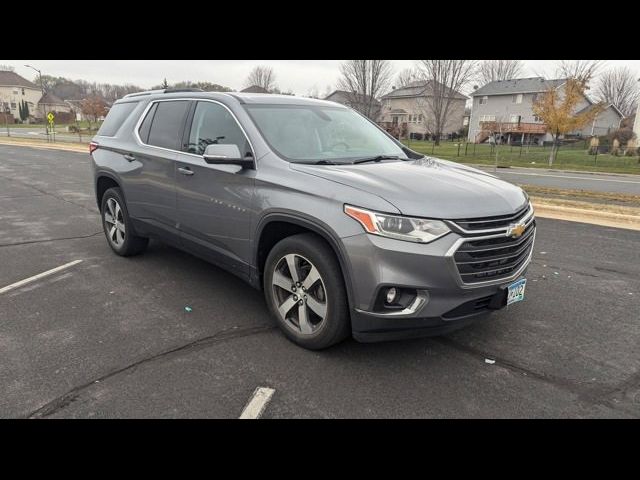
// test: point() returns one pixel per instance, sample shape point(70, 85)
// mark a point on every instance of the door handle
point(185, 171)
point(129, 157)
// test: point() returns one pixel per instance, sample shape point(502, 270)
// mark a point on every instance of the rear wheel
point(305, 292)
point(117, 225)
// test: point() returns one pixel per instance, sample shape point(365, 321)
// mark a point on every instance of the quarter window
point(167, 123)
point(145, 128)
point(213, 124)
point(115, 118)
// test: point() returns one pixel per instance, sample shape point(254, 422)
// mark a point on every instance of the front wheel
point(305, 292)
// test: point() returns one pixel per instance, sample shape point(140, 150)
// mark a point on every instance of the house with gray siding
point(507, 105)
point(405, 111)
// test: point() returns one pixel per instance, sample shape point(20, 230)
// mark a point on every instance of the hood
point(428, 187)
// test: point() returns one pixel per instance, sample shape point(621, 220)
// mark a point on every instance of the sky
point(298, 76)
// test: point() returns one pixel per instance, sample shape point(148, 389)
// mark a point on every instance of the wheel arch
point(104, 181)
point(301, 223)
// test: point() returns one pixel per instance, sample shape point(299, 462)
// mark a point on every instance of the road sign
point(50, 117)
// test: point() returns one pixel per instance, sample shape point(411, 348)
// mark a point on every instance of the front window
point(311, 133)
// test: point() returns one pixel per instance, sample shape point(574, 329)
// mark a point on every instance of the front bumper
point(378, 262)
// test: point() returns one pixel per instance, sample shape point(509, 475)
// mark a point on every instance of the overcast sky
point(299, 76)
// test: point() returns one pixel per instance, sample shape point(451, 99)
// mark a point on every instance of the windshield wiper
point(377, 159)
point(325, 162)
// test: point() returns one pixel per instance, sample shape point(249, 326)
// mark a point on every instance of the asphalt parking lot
point(110, 337)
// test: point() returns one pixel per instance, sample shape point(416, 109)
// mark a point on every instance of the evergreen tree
point(27, 113)
point(165, 84)
point(20, 110)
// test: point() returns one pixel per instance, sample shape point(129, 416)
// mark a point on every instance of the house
point(406, 110)
point(357, 101)
point(13, 90)
point(507, 105)
point(51, 103)
point(255, 89)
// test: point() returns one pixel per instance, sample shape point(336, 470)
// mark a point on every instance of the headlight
point(420, 230)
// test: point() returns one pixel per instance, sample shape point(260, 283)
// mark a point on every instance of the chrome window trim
point(187, 99)
point(456, 274)
point(527, 219)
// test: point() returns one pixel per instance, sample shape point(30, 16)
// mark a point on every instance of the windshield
point(312, 134)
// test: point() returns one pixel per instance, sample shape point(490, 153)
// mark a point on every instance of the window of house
point(484, 100)
point(515, 119)
point(13, 105)
point(537, 118)
point(15, 91)
point(516, 98)
point(487, 118)
point(23, 91)
point(420, 118)
point(534, 98)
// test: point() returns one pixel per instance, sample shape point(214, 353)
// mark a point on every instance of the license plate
point(515, 291)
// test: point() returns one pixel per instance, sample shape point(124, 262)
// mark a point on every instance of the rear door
point(151, 195)
point(214, 201)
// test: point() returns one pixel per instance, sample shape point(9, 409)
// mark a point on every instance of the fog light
point(392, 295)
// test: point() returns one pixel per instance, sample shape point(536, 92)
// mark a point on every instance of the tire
point(121, 240)
point(304, 323)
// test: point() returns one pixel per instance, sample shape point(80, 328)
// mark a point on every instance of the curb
point(594, 217)
point(67, 148)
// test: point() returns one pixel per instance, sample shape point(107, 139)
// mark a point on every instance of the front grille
point(499, 221)
point(488, 259)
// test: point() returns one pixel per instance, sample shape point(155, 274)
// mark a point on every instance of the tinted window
point(145, 128)
point(167, 124)
point(115, 118)
point(212, 123)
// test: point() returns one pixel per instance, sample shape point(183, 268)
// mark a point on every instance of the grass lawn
point(569, 158)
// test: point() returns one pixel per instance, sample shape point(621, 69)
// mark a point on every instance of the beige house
point(406, 112)
point(14, 89)
point(51, 103)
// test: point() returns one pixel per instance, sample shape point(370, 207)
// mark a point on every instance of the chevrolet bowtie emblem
point(515, 230)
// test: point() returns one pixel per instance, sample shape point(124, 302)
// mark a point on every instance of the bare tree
point(364, 81)
point(262, 76)
point(444, 81)
point(582, 70)
point(620, 87)
point(492, 70)
point(406, 77)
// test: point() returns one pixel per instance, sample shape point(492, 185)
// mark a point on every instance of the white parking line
point(257, 403)
point(37, 277)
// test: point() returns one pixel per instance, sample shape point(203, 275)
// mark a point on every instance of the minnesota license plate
point(515, 291)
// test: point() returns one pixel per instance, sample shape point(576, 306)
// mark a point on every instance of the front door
point(214, 201)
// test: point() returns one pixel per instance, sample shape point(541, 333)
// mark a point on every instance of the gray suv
point(346, 230)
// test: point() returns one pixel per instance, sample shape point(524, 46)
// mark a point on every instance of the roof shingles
point(518, 85)
point(12, 79)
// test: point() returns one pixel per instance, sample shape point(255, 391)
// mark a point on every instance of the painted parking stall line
point(38, 276)
point(257, 403)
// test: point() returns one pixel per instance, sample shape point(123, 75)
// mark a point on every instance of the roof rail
point(177, 90)
point(166, 90)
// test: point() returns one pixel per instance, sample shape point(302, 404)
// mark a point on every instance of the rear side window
point(115, 118)
point(166, 125)
point(145, 128)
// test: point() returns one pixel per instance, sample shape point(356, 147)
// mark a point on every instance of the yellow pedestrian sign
point(50, 117)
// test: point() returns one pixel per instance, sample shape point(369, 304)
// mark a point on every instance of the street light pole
point(40, 75)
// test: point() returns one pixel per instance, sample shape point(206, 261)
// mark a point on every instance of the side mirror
point(217, 154)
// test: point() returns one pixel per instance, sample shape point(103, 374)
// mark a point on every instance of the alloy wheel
point(299, 293)
point(114, 222)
